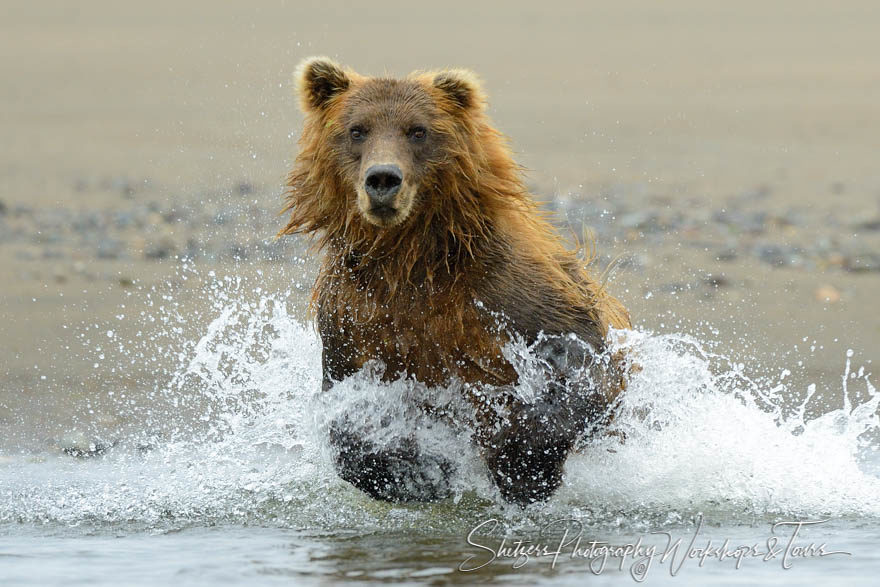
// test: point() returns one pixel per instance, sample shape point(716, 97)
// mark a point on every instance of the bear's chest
point(428, 338)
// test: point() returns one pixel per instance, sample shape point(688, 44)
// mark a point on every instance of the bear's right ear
point(319, 80)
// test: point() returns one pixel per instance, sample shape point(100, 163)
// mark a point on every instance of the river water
point(224, 476)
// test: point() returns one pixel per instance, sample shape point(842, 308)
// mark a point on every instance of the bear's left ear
point(461, 86)
point(319, 80)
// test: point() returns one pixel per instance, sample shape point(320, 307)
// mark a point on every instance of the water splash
point(699, 435)
point(238, 435)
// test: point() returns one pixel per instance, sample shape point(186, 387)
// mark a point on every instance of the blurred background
point(726, 156)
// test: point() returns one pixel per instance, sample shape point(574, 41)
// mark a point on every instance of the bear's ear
point(319, 80)
point(461, 86)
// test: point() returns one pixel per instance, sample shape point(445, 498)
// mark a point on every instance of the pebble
point(753, 222)
point(237, 252)
point(773, 254)
point(109, 249)
point(729, 254)
point(870, 223)
point(22, 210)
point(672, 287)
point(827, 293)
point(124, 220)
point(642, 220)
point(716, 281)
point(124, 186)
point(161, 249)
point(630, 262)
point(270, 250)
point(171, 216)
point(80, 185)
point(52, 254)
point(789, 218)
point(755, 194)
point(862, 262)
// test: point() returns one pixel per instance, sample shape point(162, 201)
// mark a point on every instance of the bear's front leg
point(399, 471)
point(527, 453)
point(526, 444)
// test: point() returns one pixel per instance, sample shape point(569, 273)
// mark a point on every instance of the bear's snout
point(382, 183)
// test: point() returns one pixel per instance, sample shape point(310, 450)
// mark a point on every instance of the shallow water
point(261, 555)
point(224, 474)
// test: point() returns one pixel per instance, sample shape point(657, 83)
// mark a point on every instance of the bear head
point(379, 146)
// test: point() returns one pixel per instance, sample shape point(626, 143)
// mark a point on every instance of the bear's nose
point(382, 182)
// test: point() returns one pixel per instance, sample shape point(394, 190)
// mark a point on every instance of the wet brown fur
point(475, 262)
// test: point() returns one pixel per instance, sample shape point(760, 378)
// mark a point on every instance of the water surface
point(223, 475)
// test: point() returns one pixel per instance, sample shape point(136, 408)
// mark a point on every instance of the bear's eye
point(357, 134)
point(417, 133)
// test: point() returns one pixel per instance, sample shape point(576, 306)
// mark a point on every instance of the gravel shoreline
point(236, 225)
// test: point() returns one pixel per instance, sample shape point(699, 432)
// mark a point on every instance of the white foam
point(699, 436)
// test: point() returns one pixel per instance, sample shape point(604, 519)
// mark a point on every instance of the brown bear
point(435, 258)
